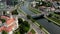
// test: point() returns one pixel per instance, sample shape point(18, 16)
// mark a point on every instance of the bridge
point(41, 15)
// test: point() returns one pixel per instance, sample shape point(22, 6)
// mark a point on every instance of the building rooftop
point(5, 7)
point(8, 21)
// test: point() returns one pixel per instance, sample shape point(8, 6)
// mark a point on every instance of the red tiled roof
point(10, 21)
point(0, 29)
point(10, 28)
point(7, 29)
point(4, 17)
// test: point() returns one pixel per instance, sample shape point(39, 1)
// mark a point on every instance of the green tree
point(40, 26)
point(50, 15)
point(20, 20)
point(4, 32)
point(15, 12)
point(24, 27)
point(28, 16)
point(3, 20)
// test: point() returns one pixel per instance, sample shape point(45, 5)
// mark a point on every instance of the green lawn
point(56, 15)
point(21, 11)
point(54, 19)
point(18, 32)
point(36, 11)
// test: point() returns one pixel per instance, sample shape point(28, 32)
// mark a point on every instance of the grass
point(18, 32)
point(33, 32)
point(26, 28)
point(22, 11)
point(56, 15)
point(36, 11)
point(54, 19)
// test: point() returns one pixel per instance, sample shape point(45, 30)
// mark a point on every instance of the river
point(52, 28)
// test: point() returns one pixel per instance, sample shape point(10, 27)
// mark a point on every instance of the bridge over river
point(52, 28)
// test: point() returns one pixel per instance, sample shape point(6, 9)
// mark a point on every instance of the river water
point(52, 28)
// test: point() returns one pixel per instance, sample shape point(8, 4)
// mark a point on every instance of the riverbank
point(34, 10)
point(54, 20)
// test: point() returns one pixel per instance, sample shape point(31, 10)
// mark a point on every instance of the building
point(11, 2)
point(7, 23)
point(55, 0)
point(56, 4)
point(10, 24)
point(2, 4)
point(4, 7)
point(34, 3)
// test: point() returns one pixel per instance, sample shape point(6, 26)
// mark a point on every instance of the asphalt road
point(52, 28)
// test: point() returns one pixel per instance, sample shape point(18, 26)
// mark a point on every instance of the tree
point(15, 2)
point(57, 17)
point(4, 32)
point(4, 12)
point(18, 32)
point(3, 20)
point(24, 27)
point(28, 16)
point(48, 4)
point(26, 24)
point(20, 20)
point(40, 26)
point(15, 12)
point(50, 15)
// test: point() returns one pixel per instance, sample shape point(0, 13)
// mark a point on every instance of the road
point(32, 25)
point(52, 28)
